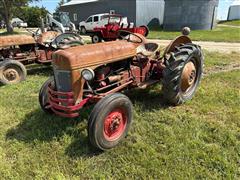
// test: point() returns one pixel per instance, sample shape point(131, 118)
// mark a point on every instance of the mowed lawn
point(219, 34)
point(200, 139)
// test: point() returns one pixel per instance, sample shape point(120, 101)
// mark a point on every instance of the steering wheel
point(67, 40)
point(130, 37)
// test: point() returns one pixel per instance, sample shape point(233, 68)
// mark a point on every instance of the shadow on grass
point(38, 126)
point(149, 99)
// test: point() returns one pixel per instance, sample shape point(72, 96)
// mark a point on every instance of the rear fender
point(176, 42)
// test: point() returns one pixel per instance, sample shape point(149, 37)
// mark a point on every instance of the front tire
point(12, 72)
point(43, 96)
point(109, 121)
point(83, 30)
point(182, 74)
point(96, 38)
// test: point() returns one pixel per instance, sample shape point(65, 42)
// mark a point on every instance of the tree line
point(19, 8)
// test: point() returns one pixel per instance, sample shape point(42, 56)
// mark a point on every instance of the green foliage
point(219, 34)
point(198, 140)
point(31, 15)
point(61, 2)
point(232, 23)
point(6, 10)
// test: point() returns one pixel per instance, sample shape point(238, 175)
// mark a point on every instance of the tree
point(6, 10)
point(31, 15)
point(59, 5)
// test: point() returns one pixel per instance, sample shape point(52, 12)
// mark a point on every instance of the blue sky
point(222, 9)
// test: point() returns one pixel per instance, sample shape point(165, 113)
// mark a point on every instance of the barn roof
point(75, 2)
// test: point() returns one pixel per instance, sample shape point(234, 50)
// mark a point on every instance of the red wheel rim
point(114, 124)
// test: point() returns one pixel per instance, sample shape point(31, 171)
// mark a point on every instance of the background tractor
point(19, 50)
point(98, 73)
point(115, 24)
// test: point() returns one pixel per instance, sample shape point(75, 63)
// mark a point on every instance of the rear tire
point(12, 72)
point(109, 121)
point(83, 30)
point(43, 96)
point(146, 30)
point(96, 38)
point(182, 74)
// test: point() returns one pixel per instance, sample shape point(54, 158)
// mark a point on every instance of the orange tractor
point(98, 73)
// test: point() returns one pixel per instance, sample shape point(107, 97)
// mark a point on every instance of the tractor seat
point(148, 49)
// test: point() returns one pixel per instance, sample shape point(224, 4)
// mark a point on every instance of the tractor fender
point(176, 42)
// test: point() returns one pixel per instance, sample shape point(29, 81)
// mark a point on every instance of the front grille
point(62, 80)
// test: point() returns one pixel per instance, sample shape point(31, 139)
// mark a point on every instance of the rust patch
point(14, 40)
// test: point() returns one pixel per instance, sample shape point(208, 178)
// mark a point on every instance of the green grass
point(219, 34)
point(3, 32)
point(232, 23)
point(198, 140)
point(214, 60)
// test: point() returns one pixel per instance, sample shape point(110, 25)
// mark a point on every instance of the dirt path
point(210, 46)
point(225, 25)
point(222, 47)
point(220, 69)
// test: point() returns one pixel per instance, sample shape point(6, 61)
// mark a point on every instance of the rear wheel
point(12, 72)
point(182, 74)
point(43, 96)
point(146, 30)
point(83, 30)
point(96, 38)
point(109, 121)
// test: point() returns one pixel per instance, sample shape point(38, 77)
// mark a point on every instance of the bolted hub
point(11, 75)
point(188, 76)
point(115, 123)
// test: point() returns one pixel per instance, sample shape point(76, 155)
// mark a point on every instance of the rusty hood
point(13, 40)
point(93, 55)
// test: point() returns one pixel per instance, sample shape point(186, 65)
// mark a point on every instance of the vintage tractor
point(19, 50)
point(115, 25)
point(97, 73)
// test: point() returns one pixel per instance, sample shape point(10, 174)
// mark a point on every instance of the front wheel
point(182, 74)
point(96, 38)
point(83, 30)
point(43, 96)
point(109, 121)
point(12, 72)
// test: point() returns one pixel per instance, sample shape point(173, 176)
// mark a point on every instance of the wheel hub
point(188, 76)
point(11, 75)
point(114, 125)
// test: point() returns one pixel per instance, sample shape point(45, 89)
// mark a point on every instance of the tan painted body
point(14, 40)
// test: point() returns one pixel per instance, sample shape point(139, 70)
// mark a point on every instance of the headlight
point(88, 74)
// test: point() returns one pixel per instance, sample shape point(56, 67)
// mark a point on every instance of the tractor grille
point(62, 80)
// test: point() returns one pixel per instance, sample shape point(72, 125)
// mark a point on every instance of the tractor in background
point(19, 50)
point(115, 24)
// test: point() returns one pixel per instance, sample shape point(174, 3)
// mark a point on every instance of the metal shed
point(172, 14)
point(196, 14)
point(234, 12)
point(141, 12)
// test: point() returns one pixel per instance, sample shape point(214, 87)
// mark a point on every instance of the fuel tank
point(93, 55)
point(13, 40)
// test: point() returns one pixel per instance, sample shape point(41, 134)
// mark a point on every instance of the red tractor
point(19, 50)
point(112, 29)
point(98, 73)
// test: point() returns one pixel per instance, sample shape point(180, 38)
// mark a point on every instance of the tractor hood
point(93, 55)
point(13, 40)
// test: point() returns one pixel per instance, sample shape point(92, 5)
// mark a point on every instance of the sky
point(222, 8)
